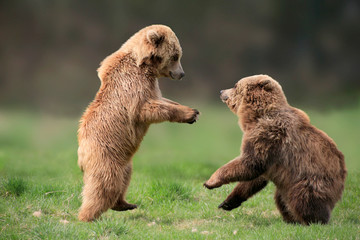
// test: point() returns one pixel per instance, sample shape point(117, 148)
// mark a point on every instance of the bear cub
point(280, 145)
point(128, 101)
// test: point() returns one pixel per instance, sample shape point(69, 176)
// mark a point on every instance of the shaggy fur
point(114, 124)
point(280, 145)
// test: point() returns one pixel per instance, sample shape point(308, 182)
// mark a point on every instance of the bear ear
point(154, 37)
point(266, 85)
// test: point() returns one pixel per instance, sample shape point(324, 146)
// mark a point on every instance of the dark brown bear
point(280, 145)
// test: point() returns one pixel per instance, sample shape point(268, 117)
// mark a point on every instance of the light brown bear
point(128, 101)
point(280, 145)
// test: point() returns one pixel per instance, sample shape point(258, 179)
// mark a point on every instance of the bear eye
point(155, 59)
point(175, 57)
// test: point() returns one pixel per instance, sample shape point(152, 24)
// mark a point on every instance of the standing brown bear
point(128, 101)
point(280, 145)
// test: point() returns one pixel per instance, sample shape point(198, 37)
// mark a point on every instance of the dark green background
point(50, 50)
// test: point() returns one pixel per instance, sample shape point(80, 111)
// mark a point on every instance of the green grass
point(39, 172)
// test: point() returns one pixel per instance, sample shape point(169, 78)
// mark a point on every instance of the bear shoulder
point(111, 63)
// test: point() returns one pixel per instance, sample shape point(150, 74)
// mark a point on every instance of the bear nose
point(182, 74)
point(223, 97)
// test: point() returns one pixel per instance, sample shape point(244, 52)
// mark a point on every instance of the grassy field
point(40, 183)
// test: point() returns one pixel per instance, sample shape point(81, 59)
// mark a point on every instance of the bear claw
point(226, 206)
point(195, 117)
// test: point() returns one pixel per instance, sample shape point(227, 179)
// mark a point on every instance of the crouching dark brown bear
point(280, 145)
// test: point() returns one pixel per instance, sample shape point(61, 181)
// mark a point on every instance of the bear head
point(157, 47)
point(253, 97)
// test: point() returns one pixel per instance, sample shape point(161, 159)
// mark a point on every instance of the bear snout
point(177, 75)
point(223, 95)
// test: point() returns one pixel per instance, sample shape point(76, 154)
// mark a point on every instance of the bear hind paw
point(124, 207)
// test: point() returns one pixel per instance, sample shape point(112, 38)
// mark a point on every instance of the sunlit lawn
point(39, 174)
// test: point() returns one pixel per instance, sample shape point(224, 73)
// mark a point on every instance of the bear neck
point(123, 61)
point(250, 116)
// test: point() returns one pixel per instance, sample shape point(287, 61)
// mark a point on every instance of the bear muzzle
point(177, 75)
point(176, 71)
point(223, 95)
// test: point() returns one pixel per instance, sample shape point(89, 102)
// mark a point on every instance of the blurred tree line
point(50, 50)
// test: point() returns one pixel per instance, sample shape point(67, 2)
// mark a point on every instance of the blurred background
point(50, 50)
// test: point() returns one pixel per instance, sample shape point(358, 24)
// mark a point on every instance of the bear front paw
point(211, 184)
point(228, 206)
point(194, 116)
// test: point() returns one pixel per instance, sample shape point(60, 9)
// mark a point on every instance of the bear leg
point(308, 205)
point(242, 192)
point(283, 209)
point(121, 204)
point(156, 111)
point(313, 211)
point(101, 191)
point(96, 200)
